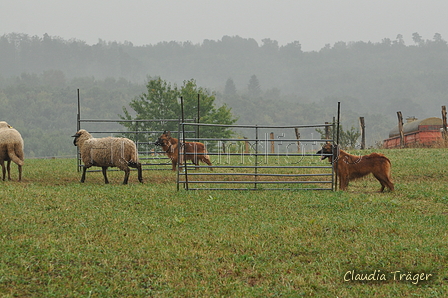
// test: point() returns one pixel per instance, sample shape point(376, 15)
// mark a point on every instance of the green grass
point(61, 238)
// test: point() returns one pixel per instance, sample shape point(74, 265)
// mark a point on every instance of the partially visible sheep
point(107, 152)
point(11, 148)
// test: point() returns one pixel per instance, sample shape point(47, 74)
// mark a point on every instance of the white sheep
point(107, 152)
point(11, 148)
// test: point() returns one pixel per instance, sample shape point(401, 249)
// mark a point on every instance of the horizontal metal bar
point(262, 167)
point(280, 154)
point(134, 132)
point(139, 120)
point(255, 182)
point(259, 140)
point(258, 174)
point(261, 189)
point(257, 126)
point(132, 170)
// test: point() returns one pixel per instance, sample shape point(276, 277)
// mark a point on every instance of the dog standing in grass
point(195, 151)
point(350, 167)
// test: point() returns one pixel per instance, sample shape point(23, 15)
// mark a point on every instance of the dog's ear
point(168, 133)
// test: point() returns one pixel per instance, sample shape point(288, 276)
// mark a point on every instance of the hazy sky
point(313, 23)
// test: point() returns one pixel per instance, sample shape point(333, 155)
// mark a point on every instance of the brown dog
point(195, 151)
point(350, 167)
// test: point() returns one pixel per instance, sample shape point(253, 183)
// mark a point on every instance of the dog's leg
point(389, 184)
point(343, 182)
point(195, 161)
point(385, 182)
point(206, 159)
point(388, 181)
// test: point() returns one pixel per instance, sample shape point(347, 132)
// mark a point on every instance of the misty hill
point(263, 83)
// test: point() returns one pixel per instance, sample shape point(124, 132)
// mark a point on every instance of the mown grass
point(61, 238)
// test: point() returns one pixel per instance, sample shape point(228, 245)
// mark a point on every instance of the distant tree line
point(262, 83)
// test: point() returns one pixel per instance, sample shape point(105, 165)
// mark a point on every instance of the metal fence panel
point(262, 161)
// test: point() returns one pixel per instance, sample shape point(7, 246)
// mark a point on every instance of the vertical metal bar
point(256, 156)
point(136, 134)
point(333, 172)
point(78, 127)
point(79, 114)
point(337, 144)
point(178, 154)
point(199, 115)
point(339, 114)
point(183, 144)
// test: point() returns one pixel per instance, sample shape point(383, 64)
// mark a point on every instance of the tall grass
point(60, 238)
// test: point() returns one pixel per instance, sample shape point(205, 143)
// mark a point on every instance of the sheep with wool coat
point(11, 149)
point(107, 152)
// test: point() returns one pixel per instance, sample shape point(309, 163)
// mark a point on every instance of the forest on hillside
point(262, 83)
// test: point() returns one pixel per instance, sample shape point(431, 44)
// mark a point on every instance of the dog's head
point(164, 139)
point(326, 149)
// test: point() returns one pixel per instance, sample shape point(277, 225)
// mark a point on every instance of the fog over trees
point(262, 83)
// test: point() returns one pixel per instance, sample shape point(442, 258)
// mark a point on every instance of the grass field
point(61, 238)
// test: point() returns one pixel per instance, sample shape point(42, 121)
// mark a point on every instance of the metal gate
point(261, 160)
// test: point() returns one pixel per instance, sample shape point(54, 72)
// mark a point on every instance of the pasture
point(61, 238)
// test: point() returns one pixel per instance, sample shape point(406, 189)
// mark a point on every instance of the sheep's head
point(81, 134)
point(4, 124)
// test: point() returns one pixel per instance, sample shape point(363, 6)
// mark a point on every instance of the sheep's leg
point(83, 177)
point(138, 166)
point(139, 170)
point(8, 166)
point(3, 170)
point(20, 172)
point(105, 175)
point(126, 175)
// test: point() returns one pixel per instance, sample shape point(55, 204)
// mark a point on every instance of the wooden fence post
point(400, 129)
point(327, 131)
point(363, 133)
point(298, 138)
point(444, 128)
